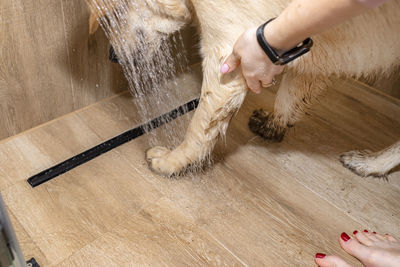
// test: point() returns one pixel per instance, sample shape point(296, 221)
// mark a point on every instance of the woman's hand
point(257, 68)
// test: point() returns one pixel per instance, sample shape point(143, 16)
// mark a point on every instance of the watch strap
point(286, 57)
point(273, 56)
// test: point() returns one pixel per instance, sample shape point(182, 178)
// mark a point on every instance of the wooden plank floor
point(260, 204)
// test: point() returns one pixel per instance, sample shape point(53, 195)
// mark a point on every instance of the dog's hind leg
point(220, 98)
point(295, 96)
point(366, 163)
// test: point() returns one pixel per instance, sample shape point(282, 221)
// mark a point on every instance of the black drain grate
point(108, 145)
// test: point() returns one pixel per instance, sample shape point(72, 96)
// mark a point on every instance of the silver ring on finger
point(273, 81)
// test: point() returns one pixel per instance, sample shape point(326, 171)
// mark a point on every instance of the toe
point(357, 162)
point(354, 247)
point(379, 237)
point(330, 261)
point(364, 238)
point(371, 236)
point(162, 167)
point(390, 238)
point(156, 152)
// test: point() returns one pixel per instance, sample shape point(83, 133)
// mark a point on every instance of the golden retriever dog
point(364, 46)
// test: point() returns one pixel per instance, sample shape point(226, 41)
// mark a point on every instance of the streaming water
point(150, 60)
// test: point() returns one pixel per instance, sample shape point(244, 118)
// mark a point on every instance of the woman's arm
point(301, 19)
point(305, 18)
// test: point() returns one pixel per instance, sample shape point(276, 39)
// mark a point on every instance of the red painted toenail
point(355, 232)
point(320, 255)
point(374, 232)
point(365, 231)
point(345, 237)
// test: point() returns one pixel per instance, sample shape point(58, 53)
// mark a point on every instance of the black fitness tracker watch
point(288, 56)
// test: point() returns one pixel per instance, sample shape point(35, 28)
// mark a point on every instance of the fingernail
point(345, 237)
point(355, 232)
point(224, 68)
point(374, 232)
point(320, 255)
point(365, 231)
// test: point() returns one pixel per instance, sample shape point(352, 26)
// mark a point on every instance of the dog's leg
point(221, 97)
point(294, 97)
point(366, 163)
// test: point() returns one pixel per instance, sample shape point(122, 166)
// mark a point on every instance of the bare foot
point(372, 249)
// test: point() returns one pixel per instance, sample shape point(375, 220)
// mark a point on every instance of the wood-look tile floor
point(260, 204)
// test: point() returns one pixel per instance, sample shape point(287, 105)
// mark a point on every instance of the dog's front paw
point(262, 124)
point(159, 161)
point(362, 163)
